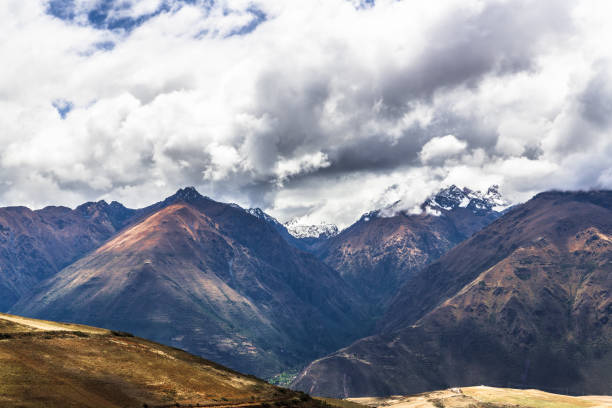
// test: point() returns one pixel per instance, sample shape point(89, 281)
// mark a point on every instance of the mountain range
point(232, 284)
point(463, 291)
point(386, 247)
point(209, 278)
point(526, 301)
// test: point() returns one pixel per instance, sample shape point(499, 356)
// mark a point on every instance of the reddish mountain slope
point(525, 302)
point(212, 279)
point(35, 245)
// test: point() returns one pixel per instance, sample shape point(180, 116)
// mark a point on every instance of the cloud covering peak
point(308, 109)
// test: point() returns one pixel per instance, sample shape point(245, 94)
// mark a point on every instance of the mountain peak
point(322, 230)
point(262, 215)
point(187, 194)
point(90, 207)
point(448, 199)
point(453, 197)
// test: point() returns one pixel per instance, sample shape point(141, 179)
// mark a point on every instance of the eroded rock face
point(525, 301)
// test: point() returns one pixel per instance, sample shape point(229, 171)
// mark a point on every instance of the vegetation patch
point(285, 378)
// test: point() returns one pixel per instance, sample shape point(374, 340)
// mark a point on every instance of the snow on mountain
point(259, 213)
point(322, 230)
point(294, 228)
point(453, 197)
point(448, 199)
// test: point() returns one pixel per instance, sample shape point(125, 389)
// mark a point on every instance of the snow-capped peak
point(447, 199)
point(453, 197)
point(494, 197)
point(259, 213)
point(322, 230)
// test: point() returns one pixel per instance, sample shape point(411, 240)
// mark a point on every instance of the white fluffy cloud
point(440, 148)
point(322, 109)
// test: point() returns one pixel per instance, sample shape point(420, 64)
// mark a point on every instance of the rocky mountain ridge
point(524, 301)
point(386, 247)
point(210, 278)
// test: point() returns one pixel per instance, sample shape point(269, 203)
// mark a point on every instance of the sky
point(319, 110)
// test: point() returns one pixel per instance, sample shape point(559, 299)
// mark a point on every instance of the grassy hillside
point(48, 364)
point(487, 397)
point(340, 403)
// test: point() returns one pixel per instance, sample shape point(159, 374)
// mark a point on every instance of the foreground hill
point(525, 301)
point(47, 364)
point(487, 397)
point(385, 248)
point(212, 279)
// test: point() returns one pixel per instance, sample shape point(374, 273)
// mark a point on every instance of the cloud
point(441, 148)
point(322, 110)
point(305, 164)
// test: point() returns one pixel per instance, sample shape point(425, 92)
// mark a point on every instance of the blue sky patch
point(105, 45)
point(63, 9)
point(258, 18)
point(366, 4)
point(101, 16)
point(63, 107)
point(104, 15)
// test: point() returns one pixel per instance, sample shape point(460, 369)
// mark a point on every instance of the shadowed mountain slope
point(48, 364)
point(212, 279)
point(524, 302)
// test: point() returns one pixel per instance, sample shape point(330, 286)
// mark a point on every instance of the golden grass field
point(340, 403)
point(48, 364)
point(487, 397)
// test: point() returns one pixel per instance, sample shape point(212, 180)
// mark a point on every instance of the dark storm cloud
point(596, 99)
point(502, 39)
point(463, 49)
